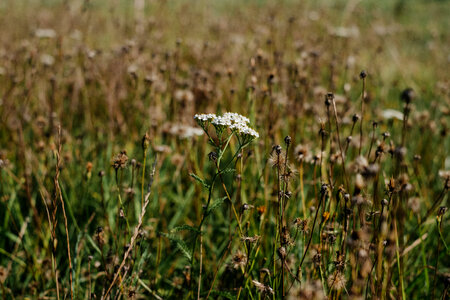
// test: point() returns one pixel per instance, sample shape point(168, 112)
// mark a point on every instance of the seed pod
point(407, 95)
point(363, 74)
point(145, 141)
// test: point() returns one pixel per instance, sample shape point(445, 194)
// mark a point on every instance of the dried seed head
point(355, 118)
point(99, 236)
point(323, 133)
point(407, 95)
point(212, 156)
point(120, 160)
point(278, 149)
point(238, 260)
point(328, 99)
point(370, 171)
point(265, 290)
point(346, 197)
point(145, 141)
point(337, 281)
point(247, 207)
point(281, 251)
point(317, 259)
point(324, 189)
point(414, 204)
point(301, 153)
point(277, 160)
point(441, 211)
point(287, 140)
point(400, 153)
point(250, 239)
point(331, 238)
point(363, 74)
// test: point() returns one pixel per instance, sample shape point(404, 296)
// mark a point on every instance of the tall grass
point(110, 188)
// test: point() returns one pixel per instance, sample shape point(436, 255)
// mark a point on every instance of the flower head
point(235, 122)
point(239, 259)
point(120, 160)
point(204, 118)
point(337, 281)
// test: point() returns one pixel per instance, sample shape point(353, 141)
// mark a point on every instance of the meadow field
point(175, 149)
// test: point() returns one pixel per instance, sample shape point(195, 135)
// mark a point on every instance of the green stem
point(143, 177)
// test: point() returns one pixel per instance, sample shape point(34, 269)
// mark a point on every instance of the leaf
point(184, 227)
point(229, 170)
point(180, 244)
point(200, 180)
point(215, 205)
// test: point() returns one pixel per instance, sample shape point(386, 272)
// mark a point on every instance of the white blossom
point(233, 121)
point(204, 117)
point(221, 121)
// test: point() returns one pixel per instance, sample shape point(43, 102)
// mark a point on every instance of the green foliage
point(225, 212)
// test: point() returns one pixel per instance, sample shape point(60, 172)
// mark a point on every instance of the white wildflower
point(47, 60)
point(236, 118)
point(204, 117)
point(392, 114)
point(185, 131)
point(189, 132)
point(45, 33)
point(221, 121)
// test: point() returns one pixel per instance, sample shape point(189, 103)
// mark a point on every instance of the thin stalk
point(142, 178)
point(312, 232)
point(363, 96)
point(200, 271)
point(339, 143)
point(437, 263)
point(397, 252)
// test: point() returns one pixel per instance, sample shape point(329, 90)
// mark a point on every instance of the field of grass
point(330, 182)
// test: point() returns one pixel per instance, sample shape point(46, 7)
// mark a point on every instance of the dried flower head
point(302, 225)
point(145, 141)
point(250, 239)
point(337, 281)
point(407, 95)
point(120, 160)
point(239, 260)
point(265, 290)
point(302, 153)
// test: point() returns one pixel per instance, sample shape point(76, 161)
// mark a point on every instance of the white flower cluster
point(221, 121)
point(243, 129)
point(236, 118)
point(204, 117)
point(184, 131)
point(233, 121)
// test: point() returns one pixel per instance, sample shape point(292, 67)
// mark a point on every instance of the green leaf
point(216, 204)
point(184, 227)
point(180, 244)
point(228, 170)
point(200, 180)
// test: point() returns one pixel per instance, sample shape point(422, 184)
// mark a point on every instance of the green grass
point(115, 78)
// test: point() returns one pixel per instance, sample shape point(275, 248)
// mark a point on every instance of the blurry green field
point(96, 95)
